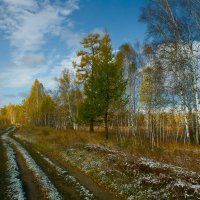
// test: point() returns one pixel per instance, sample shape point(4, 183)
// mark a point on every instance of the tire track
point(15, 189)
point(66, 174)
point(30, 184)
point(84, 185)
point(70, 184)
point(46, 185)
point(84, 193)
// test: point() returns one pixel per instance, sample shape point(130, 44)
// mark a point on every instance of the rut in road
point(84, 193)
point(46, 185)
point(3, 171)
point(85, 185)
point(30, 184)
point(25, 159)
point(44, 181)
point(15, 189)
point(55, 179)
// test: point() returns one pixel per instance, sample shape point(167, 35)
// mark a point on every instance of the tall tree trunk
point(92, 126)
point(45, 120)
point(194, 77)
point(106, 124)
point(185, 117)
point(197, 117)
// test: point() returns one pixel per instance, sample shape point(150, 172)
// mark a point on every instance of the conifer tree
point(85, 74)
point(109, 82)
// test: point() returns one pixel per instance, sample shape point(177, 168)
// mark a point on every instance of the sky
point(39, 38)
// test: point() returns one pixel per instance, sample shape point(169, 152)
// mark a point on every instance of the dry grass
point(48, 137)
point(182, 155)
point(116, 163)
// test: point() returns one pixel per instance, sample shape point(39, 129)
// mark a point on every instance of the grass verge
point(134, 171)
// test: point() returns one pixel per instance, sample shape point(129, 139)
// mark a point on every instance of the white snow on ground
point(178, 171)
point(7, 131)
point(100, 147)
point(84, 193)
point(44, 181)
point(163, 180)
point(155, 164)
point(15, 190)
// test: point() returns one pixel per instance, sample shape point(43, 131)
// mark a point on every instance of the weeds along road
point(26, 173)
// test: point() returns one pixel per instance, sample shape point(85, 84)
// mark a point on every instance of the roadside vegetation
point(134, 171)
point(32, 174)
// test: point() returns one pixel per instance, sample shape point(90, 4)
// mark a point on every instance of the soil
point(32, 188)
point(98, 191)
point(29, 182)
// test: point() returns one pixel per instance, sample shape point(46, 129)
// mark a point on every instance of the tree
point(4, 119)
point(129, 56)
point(85, 71)
point(33, 103)
point(152, 97)
point(13, 113)
point(48, 107)
point(173, 27)
point(68, 99)
point(109, 83)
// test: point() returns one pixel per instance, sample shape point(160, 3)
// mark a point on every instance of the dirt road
point(32, 174)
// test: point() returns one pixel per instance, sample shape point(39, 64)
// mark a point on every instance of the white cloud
point(55, 70)
point(24, 3)
point(33, 60)
point(72, 39)
point(23, 70)
point(16, 77)
point(26, 23)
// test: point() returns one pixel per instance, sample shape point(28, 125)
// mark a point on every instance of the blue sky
point(39, 38)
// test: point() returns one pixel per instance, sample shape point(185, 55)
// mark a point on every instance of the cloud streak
point(27, 23)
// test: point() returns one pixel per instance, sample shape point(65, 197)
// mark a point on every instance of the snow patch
point(86, 194)
point(15, 189)
point(44, 181)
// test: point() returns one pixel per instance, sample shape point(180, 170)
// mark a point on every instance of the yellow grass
point(183, 155)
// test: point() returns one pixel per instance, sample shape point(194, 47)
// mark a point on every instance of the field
point(80, 165)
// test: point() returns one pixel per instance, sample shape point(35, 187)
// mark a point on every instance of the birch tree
point(175, 26)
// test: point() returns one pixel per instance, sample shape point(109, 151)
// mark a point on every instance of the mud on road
point(40, 176)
